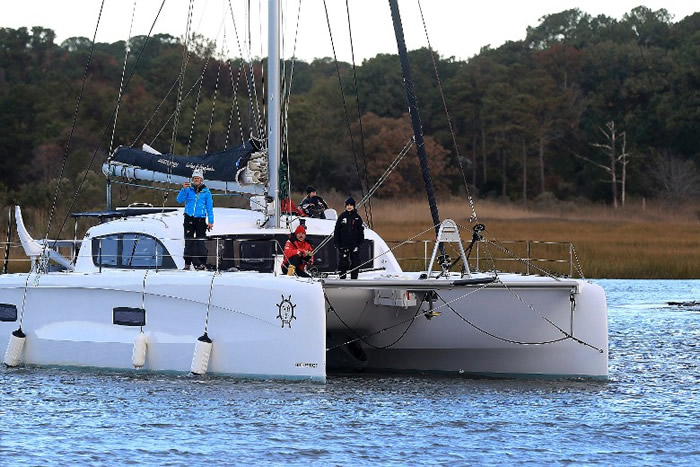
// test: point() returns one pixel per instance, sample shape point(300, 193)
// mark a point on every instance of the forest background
point(585, 115)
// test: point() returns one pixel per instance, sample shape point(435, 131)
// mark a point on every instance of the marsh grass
point(651, 240)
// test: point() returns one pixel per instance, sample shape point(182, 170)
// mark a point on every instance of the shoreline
point(660, 242)
point(648, 240)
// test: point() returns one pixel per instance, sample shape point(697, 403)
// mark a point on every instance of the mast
point(273, 108)
point(415, 115)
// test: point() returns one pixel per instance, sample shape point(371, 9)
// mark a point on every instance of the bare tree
point(610, 148)
point(524, 166)
point(624, 159)
point(675, 178)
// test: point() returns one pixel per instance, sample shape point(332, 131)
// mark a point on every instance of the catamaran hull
point(261, 327)
point(516, 326)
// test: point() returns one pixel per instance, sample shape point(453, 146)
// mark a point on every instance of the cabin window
point(8, 312)
point(245, 254)
point(129, 316)
point(326, 258)
point(130, 251)
point(107, 249)
point(367, 254)
point(256, 253)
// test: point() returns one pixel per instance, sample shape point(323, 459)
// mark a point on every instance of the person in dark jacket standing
point(199, 207)
point(348, 237)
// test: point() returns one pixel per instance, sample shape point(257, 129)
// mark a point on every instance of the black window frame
point(123, 316)
point(8, 312)
point(99, 260)
point(230, 252)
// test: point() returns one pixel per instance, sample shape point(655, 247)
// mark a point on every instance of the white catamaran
point(124, 301)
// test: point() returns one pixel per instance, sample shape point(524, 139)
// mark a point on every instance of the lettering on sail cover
point(168, 162)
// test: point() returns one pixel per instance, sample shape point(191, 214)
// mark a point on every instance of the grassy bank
point(639, 241)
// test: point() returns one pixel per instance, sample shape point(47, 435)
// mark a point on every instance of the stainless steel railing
point(520, 256)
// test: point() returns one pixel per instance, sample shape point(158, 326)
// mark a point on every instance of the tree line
point(584, 108)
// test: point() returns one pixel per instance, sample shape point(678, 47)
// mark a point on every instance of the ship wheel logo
point(286, 311)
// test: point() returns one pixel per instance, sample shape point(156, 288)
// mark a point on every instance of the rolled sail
point(240, 169)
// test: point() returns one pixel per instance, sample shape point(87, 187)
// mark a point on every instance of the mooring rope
point(500, 338)
point(566, 334)
point(385, 329)
point(380, 331)
point(448, 304)
point(211, 291)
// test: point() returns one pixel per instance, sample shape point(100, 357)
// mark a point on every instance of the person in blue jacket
point(199, 217)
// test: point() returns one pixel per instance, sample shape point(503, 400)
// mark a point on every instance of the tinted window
point(8, 312)
point(128, 316)
point(256, 253)
point(108, 249)
point(130, 251)
point(140, 251)
point(326, 258)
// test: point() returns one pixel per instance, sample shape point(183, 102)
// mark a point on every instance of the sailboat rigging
point(125, 302)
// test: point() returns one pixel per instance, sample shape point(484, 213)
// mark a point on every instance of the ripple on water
point(646, 413)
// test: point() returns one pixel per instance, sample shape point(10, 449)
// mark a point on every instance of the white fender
point(15, 347)
point(202, 352)
point(138, 356)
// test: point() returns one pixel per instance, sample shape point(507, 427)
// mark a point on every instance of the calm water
point(647, 413)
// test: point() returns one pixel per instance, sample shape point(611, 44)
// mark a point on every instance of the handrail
point(528, 259)
point(477, 256)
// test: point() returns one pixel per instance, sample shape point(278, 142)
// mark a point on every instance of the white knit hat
point(198, 173)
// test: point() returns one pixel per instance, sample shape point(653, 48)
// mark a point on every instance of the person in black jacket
point(349, 235)
point(313, 205)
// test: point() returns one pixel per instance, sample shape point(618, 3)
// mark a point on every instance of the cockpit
point(240, 252)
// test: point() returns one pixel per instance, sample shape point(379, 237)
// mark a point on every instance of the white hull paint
point(68, 320)
point(265, 325)
point(494, 325)
point(518, 325)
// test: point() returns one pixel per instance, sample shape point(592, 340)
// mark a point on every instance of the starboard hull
point(515, 326)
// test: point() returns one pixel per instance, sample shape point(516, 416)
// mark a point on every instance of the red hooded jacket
point(296, 247)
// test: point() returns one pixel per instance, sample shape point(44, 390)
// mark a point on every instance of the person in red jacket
point(297, 254)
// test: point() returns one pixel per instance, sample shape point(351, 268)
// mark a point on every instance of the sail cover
point(221, 166)
point(241, 169)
